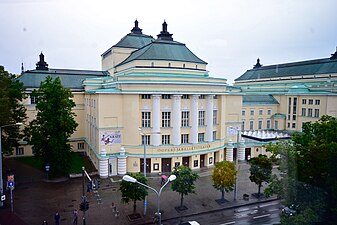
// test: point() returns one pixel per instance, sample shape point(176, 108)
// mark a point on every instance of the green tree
point(11, 110)
point(133, 191)
point(184, 183)
point(53, 125)
point(224, 177)
point(260, 170)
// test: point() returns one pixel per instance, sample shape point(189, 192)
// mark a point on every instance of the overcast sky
point(228, 34)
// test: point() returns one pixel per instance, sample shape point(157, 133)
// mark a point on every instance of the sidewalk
point(35, 200)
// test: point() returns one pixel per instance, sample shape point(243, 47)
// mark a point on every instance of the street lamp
point(133, 180)
point(1, 181)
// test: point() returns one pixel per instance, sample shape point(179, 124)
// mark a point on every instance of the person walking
point(75, 217)
point(57, 218)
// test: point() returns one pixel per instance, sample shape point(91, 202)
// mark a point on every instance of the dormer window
point(169, 64)
point(152, 64)
point(184, 65)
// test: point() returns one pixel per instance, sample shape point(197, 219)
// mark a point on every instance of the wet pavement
point(36, 200)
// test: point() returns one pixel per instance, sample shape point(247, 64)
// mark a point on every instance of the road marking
point(228, 223)
point(272, 210)
point(257, 217)
point(242, 210)
point(265, 205)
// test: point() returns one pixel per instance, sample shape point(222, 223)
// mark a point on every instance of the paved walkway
point(36, 200)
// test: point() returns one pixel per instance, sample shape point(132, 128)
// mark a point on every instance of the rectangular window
point(185, 97)
point(288, 125)
point(304, 111)
point(260, 125)
point(201, 137)
point(295, 106)
point(166, 96)
point(251, 125)
point(185, 115)
point(252, 112)
point(289, 105)
point(146, 119)
point(215, 117)
point(260, 112)
point(311, 101)
point(33, 99)
point(309, 112)
point(268, 124)
point(288, 117)
point(276, 125)
point(293, 125)
point(80, 145)
point(269, 112)
point(304, 101)
point(317, 102)
point(214, 135)
point(147, 139)
point(294, 117)
point(201, 118)
point(165, 119)
point(317, 113)
point(243, 112)
point(19, 151)
point(146, 96)
point(243, 125)
point(165, 139)
point(184, 138)
point(201, 96)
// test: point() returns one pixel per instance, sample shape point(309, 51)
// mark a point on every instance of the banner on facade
point(110, 138)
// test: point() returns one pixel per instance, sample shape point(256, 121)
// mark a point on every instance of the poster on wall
point(110, 138)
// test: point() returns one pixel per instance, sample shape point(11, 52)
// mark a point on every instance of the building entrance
point(202, 160)
point(148, 165)
point(166, 165)
point(186, 161)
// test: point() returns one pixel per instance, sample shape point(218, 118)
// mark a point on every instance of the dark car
point(289, 210)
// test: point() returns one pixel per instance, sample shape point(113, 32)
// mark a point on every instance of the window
point(293, 125)
point(310, 112)
point(304, 101)
point(184, 138)
point(80, 145)
point(294, 117)
point(146, 96)
point(146, 119)
point(288, 125)
point(201, 118)
point(201, 137)
point(19, 151)
point(201, 96)
point(169, 64)
point(276, 125)
point(214, 135)
point(33, 99)
point(94, 103)
point(295, 106)
point(152, 64)
point(260, 125)
point(215, 117)
point(185, 118)
point(166, 96)
point(311, 101)
point(251, 125)
point(288, 117)
point(317, 113)
point(243, 112)
point(243, 125)
point(184, 65)
point(147, 139)
point(260, 112)
point(269, 112)
point(185, 97)
point(215, 97)
point(317, 102)
point(252, 112)
point(304, 111)
point(165, 119)
point(268, 124)
point(289, 106)
point(165, 139)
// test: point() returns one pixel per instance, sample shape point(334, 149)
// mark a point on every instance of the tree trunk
point(259, 192)
point(134, 207)
point(222, 195)
point(181, 201)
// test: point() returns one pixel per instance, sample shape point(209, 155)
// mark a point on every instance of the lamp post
point(1, 180)
point(232, 131)
point(133, 180)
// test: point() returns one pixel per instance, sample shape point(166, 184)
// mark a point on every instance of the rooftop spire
point(257, 65)
point(164, 34)
point(41, 65)
point(22, 68)
point(136, 29)
point(334, 55)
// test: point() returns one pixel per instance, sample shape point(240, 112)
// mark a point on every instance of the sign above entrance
point(185, 148)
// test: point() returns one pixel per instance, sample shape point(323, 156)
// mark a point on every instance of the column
point(229, 151)
point(176, 119)
point(209, 118)
point(241, 152)
point(103, 164)
point(156, 120)
point(194, 120)
point(121, 170)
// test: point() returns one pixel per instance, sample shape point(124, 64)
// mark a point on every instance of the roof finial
point(257, 65)
point(164, 34)
point(136, 29)
point(334, 55)
point(41, 65)
point(22, 68)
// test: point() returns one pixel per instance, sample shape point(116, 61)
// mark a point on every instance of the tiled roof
point(132, 40)
point(69, 78)
point(164, 50)
point(310, 67)
point(258, 100)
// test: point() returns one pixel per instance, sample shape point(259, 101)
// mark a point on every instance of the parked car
point(289, 210)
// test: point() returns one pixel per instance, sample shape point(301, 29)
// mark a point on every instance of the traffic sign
point(3, 198)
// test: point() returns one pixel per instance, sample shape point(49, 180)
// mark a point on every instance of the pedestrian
point(75, 217)
point(57, 218)
point(44, 222)
point(163, 179)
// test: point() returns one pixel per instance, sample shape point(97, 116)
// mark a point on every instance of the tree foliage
point(133, 191)
point(53, 125)
point(184, 183)
point(260, 170)
point(11, 110)
point(224, 177)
